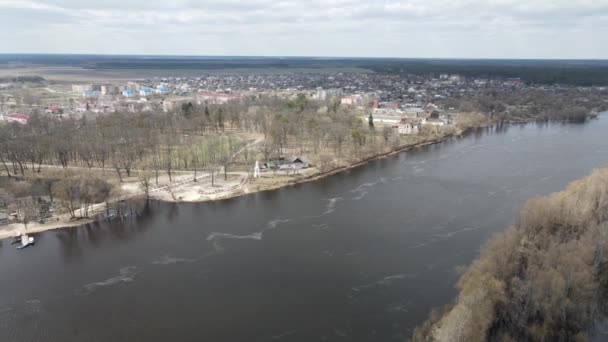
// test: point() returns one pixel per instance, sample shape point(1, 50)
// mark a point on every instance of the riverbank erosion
point(543, 279)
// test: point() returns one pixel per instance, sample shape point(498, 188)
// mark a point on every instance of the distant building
point(145, 91)
point(324, 94)
point(54, 110)
point(110, 90)
point(133, 86)
point(217, 98)
point(21, 119)
point(128, 93)
point(435, 122)
point(162, 90)
point(81, 88)
point(455, 78)
point(376, 103)
point(350, 100)
point(408, 126)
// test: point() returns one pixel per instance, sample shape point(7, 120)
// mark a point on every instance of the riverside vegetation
point(81, 163)
point(543, 279)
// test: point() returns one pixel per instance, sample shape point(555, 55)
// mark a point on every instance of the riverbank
point(189, 190)
point(556, 247)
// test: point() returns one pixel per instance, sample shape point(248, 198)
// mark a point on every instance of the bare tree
point(27, 210)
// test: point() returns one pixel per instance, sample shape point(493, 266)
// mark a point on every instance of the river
point(360, 256)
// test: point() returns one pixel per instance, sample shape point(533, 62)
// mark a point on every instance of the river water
point(360, 256)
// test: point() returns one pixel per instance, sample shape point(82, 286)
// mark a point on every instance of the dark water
point(362, 256)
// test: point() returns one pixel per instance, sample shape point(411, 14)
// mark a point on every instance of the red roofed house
point(217, 98)
point(18, 118)
point(54, 110)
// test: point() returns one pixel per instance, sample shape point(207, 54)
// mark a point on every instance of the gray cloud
point(412, 28)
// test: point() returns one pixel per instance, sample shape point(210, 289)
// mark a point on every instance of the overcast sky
point(366, 28)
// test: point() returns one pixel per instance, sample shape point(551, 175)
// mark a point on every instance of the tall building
point(324, 94)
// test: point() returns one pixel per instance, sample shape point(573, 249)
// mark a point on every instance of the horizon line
point(299, 56)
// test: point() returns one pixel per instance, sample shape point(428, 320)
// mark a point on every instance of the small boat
point(26, 241)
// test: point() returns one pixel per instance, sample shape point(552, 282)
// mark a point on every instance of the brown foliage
point(545, 279)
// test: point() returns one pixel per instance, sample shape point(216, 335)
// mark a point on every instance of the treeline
point(22, 79)
point(544, 279)
point(532, 73)
point(120, 141)
point(195, 137)
point(569, 104)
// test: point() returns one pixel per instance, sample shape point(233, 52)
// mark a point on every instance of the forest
point(561, 104)
point(565, 72)
point(543, 279)
point(531, 72)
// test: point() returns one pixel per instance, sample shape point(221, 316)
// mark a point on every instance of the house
point(349, 100)
point(145, 91)
point(408, 126)
point(81, 88)
point(162, 90)
point(128, 93)
point(110, 90)
point(21, 119)
point(53, 110)
point(295, 163)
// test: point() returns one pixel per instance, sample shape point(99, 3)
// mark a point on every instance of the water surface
point(360, 256)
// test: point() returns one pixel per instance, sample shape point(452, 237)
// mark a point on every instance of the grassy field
point(63, 74)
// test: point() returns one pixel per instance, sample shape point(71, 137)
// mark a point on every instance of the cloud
point(412, 28)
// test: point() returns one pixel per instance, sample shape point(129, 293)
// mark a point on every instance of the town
point(389, 97)
point(95, 144)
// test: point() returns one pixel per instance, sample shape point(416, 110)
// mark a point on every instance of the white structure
point(435, 122)
point(324, 94)
point(21, 119)
point(81, 88)
point(350, 100)
point(256, 170)
point(408, 126)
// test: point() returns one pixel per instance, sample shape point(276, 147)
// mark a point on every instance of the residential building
point(350, 100)
point(145, 91)
point(54, 110)
point(81, 88)
point(18, 118)
point(324, 94)
point(161, 90)
point(110, 90)
point(409, 125)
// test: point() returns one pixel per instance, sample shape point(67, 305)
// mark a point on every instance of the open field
point(69, 74)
